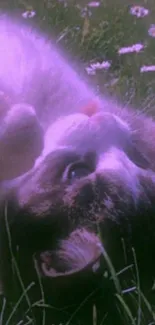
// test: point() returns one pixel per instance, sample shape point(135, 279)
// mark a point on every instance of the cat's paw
point(21, 139)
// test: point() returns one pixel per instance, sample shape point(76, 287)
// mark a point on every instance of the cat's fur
point(95, 173)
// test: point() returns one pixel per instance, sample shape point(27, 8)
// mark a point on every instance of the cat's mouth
point(79, 253)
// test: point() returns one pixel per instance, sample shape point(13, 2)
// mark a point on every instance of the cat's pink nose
point(91, 108)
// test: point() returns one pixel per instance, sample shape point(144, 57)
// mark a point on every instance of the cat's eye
point(77, 171)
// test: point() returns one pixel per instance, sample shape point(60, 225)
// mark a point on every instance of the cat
point(91, 189)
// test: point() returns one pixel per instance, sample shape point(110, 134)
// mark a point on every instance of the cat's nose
point(75, 268)
point(77, 285)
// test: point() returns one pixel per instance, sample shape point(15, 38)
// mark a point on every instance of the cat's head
point(91, 180)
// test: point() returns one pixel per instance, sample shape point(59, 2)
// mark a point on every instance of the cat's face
point(90, 177)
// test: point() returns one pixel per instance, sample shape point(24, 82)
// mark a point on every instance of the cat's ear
point(21, 141)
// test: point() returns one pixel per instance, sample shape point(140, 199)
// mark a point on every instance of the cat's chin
point(80, 253)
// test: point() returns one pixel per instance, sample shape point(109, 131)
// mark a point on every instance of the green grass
point(130, 302)
point(127, 296)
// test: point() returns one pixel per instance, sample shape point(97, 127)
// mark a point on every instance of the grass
point(124, 301)
point(91, 35)
point(128, 302)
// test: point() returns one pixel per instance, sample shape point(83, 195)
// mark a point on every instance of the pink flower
point(139, 11)
point(147, 68)
point(29, 14)
point(130, 49)
point(151, 30)
point(94, 4)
